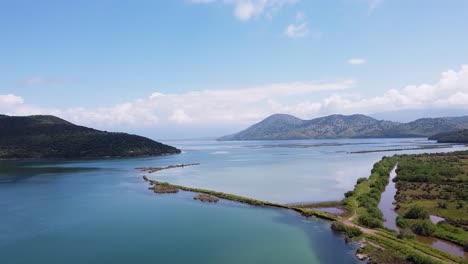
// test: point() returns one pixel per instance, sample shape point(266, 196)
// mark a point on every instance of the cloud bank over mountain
point(219, 107)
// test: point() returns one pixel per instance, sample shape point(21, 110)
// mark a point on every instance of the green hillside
point(52, 137)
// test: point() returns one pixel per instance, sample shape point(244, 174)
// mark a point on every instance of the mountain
point(408, 115)
point(285, 127)
point(279, 124)
point(460, 136)
point(46, 136)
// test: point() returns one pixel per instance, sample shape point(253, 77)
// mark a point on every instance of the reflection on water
point(386, 204)
point(443, 245)
point(388, 210)
point(436, 219)
point(87, 211)
point(282, 171)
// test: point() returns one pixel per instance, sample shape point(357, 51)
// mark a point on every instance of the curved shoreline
point(374, 242)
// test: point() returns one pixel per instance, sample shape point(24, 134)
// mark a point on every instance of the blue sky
point(99, 62)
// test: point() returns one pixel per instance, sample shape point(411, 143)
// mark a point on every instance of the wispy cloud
point(356, 61)
point(299, 28)
point(373, 4)
point(246, 9)
point(39, 80)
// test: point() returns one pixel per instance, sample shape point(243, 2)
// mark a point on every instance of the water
point(331, 210)
point(100, 211)
point(388, 210)
point(436, 219)
point(386, 205)
point(443, 246)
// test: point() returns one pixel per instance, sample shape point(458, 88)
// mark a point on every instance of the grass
point(361, 203)
point(364, 199)
point(439, 184)
point(304, 211)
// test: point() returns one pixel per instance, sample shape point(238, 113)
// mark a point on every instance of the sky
point(205, 68)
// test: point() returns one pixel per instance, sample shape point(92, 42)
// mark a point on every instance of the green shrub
point(423, 227)
point(401, 222)
point(442, 204)
point(406, 234)
point(349, 231)
point(417, 212)
point(361, 180)
point(367, 220)
point(418, 259)
point(348, 194)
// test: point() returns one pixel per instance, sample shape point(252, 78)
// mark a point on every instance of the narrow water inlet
point(387, 207)
point(387, 199)
point(443, 245)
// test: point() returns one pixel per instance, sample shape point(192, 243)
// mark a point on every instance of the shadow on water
point(13, 171)
point(321, 238)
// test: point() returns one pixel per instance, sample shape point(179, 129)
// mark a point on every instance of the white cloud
point(196, 107)
point(373, 4)
point(220, 107)
point(179, 116)
point(246, 9)
point(356, 61)
point(10, 100)
point(299, 28)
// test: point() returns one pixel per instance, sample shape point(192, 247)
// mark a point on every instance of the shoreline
point(375, 243)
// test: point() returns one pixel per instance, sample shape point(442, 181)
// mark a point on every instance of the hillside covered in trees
point(52, 137)
point(460, 136)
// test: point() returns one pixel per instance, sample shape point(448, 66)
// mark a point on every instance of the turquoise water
point(101, 211)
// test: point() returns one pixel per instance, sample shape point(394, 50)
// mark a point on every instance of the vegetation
point(382, 245)
point(304, 211)
point(282, 126)
point(460, 136)
point(406, 233)
point(434, 184)
point(349, 231)
point(52, 137)
point(388, 246)
point(417, 212)
point(365, 198)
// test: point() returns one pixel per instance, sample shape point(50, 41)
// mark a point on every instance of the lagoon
point(100, 211)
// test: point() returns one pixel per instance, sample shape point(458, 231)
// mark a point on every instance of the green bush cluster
point(423, 168)
point(406, 233)
point(349, 231)
point(423, 227)
point(417, 212)
point(379, 178)
point(369, 221)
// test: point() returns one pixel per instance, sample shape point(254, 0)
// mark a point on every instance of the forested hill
point(46, 136)
point(460, 136)
point(281, 126)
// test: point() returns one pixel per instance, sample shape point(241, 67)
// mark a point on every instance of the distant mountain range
point(52, 137)
point(282, 126)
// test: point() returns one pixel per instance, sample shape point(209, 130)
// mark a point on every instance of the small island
point(45, 137)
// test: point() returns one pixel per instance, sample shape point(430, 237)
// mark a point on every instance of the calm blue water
point(102, 212)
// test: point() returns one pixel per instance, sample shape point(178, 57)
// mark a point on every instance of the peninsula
point(46, 136)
